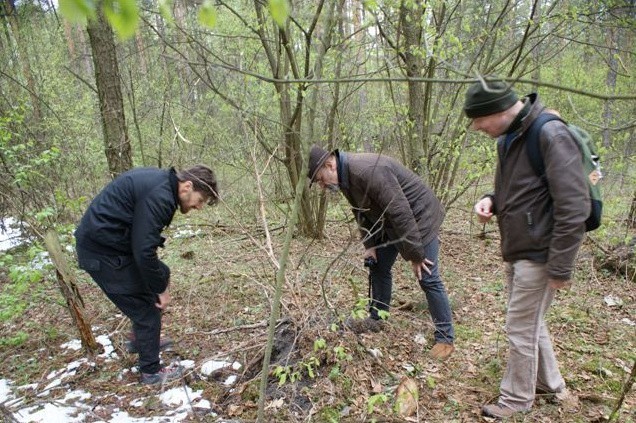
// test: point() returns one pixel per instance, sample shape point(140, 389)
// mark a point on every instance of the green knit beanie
point(484, 102)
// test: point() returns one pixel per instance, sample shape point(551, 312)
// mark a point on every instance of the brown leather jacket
point(538, 221)
point(391, 203)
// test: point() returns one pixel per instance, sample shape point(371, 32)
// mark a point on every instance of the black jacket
point(126, 219)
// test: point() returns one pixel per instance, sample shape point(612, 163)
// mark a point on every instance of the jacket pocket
point(117, 262)
point(90, 265)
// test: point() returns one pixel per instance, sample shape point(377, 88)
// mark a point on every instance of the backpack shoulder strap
point(533, 147)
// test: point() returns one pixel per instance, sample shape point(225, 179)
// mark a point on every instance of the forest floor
point(222, 289)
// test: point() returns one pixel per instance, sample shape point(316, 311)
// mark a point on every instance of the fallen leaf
point(276, 404)
point(406, 397)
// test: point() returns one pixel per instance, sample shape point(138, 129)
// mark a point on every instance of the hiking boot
point(165, 344)
point(497, 411)
point(441, 351)
point(365, 325)
point(164, 375)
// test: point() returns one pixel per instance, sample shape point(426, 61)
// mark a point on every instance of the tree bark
point(8, 10)
point(410, 21)
point(68, 286)
point(111, 105)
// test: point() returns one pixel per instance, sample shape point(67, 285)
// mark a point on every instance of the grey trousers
point(531, 360)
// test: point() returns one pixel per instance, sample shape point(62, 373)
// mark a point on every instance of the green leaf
point(77, 11)
point(123, 15)
point(370, 4)
point(279, 9)
point(165, 9)
point(207, 14)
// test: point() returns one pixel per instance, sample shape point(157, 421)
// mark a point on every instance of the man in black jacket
point(117, 241)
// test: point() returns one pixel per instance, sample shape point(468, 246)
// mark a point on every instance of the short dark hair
point(203, 181)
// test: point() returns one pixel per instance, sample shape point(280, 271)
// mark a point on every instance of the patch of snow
point(420, 339)
point(203, 404)
point(187, 233)
point(5, 391)
point(49, 413)
point(613, 301)
point(187, 364)
point(230, 380)
point(9, 235)
point(628, 322)
point(73, 344)
point(108, 346)
point(41, 261)
point(76, 405)
point(212, 366)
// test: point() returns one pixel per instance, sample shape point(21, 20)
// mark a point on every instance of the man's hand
point(370, 252)
point(483, 209)
point(418, 266)
point(559, 284)
point(163, 300)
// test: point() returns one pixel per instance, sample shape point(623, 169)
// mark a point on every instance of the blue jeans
point(381, 281)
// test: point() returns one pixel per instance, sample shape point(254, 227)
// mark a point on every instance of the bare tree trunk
point(68, 286)
point(281, 55)
point(410, 20)
point(111, 105)
point(8, 10)
point(610, 82)
point(631, 219)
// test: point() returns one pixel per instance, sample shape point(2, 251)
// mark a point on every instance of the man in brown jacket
point(541, 221)
point(396, 213)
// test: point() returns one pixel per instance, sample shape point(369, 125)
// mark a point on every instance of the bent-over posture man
point(117, 241)
point(541, 222)
point(396, 213)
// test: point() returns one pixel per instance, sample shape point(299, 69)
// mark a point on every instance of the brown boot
point(441, 351)
point(497, 411)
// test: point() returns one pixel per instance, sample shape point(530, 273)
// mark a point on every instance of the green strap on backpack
point(591, 165)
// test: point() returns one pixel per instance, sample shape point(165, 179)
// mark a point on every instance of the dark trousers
point(381, 279)
point(119, 278)
point(146, 325)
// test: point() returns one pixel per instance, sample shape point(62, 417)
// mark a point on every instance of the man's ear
point(185, 187)
point(330, 163)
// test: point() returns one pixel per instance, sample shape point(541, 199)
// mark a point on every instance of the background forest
point(247, 87)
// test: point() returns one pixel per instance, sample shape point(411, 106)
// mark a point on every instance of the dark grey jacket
point(390, 203)
point(125, 221)
point(539, 221)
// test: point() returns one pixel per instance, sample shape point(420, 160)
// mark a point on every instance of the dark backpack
point(591, 165)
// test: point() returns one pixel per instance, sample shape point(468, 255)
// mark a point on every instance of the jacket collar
point(342, 161)
point(174, 184)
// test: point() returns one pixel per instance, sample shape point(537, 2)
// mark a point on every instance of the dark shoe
point(441, 351)
point(497, 411)
point(166, 374)
point(165, 344)
point(363, 325)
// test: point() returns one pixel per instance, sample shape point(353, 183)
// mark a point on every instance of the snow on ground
point(77, 405)
point(10, 236)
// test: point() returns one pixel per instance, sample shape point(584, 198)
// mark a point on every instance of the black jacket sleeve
point(151, 215)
